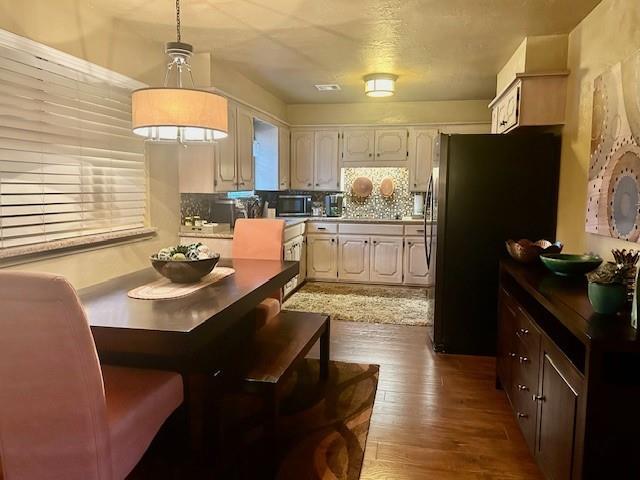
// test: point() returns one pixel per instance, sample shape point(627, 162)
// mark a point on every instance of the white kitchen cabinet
point(391, 144)
point(226, 170)
point(322, 257)
point(353, 258)
point(244, 146)
point(422, 144)
point(196, 172)
point(416, 271)
point(326, 175)
point(302, 276)
point(358, 145)
point(284, 157)
point(302, 159)
point(386, 259)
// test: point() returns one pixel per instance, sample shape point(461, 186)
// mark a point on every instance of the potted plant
point(607, 288)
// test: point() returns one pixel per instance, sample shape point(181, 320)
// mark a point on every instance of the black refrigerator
point(484, 189)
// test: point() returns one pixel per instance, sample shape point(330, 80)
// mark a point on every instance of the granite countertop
point(290, 222)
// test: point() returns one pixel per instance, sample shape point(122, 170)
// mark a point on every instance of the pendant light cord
point(178, 20)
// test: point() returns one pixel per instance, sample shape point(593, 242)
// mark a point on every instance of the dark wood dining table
point(200, 335)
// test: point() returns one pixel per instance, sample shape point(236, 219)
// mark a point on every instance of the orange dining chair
point(261, 239)
point(62, 416)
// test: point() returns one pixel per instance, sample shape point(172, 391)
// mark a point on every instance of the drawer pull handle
point(420, 231)
point(512, 355)
point(523, 388)
point(322, 228)
point(522, 331)
point(523, 415)
point(523, 359)
point(538, 398)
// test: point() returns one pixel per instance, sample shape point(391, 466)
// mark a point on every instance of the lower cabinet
point(294, 250)
point(543, 388)
point(386, 259)
point(322, 257)
point(416, 270)
point(353, 258)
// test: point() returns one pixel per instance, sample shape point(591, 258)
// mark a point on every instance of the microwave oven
point(294, 206)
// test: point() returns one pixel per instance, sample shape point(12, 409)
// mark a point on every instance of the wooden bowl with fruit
point(185, 263)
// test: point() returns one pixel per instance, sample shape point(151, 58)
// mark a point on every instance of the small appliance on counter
point(333, 205)
point(294, 206)
point(227, 211)
point(418, 205)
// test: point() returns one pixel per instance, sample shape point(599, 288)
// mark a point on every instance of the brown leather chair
point(62, 417)
point(261, 239)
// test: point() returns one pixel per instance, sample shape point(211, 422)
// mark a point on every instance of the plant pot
point(607, 299)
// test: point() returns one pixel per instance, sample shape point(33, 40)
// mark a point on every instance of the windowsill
point(39, 251)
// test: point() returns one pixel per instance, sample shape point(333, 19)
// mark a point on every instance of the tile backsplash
point(376, 206)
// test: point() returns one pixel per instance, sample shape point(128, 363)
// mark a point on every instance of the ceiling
point(441, 49)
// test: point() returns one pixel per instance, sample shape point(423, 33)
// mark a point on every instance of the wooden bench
point(277, 347)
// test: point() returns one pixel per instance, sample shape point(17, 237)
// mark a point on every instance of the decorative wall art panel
point(613, 206)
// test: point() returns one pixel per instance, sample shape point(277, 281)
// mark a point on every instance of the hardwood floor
point(435, 416)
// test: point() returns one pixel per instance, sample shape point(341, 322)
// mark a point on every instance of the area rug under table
point(322, 427)
point(365, 303)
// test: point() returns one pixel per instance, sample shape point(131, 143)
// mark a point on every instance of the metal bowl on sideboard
point(184, 271)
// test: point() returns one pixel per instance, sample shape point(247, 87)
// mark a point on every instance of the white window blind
point(69, 164)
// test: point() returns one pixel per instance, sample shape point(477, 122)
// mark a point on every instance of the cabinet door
point(197, 168)
point(302, 151)
point(284, 150)
point(353, 258)
point(244, 141)
point(226, 165)
point(556, 420)
point(290, 254)
point(416, 271)
point(421, 149)
point(391, 145)
point(322, 253)
point(505, 355)
point(386, 259)
point(358, 145)
point(303, 260)
point(326, 160)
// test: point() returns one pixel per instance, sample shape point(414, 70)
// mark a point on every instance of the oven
point(294, 206)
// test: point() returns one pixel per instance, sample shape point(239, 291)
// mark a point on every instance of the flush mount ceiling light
point(176, 112)
point(380, 84)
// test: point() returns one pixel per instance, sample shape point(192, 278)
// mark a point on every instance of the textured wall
point(607, 36)
point(376, 206)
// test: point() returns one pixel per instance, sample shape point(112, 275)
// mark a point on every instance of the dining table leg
point(325, 350)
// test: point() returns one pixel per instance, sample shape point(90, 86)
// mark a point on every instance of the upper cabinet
point(391, 145)
point(357, 144)
point(314, 159)
point(373, 147)
point(422, 145)
point(284, 157)
point(532, 99)
point(244, 149)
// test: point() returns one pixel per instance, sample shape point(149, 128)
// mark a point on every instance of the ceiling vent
point(329, 87)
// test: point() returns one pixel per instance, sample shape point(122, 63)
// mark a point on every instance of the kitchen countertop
point(290, 222)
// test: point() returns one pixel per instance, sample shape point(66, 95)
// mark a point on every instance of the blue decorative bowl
point(567, 265)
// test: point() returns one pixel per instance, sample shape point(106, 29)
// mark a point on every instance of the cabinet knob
point(408, 243)
point(523, 415)
point(369, 154)
point(317, 184)
point(308, 184)
point(503, 123)
point(523, 388)
point(375, 241)
point(538, 398)
point(522, 331)
point(415, 184)
point(366, 242)
point(523, 359)
point(378, 154)
point(511, 355)
point(333, 240)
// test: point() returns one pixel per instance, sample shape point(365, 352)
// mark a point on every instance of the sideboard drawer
point(322, 227)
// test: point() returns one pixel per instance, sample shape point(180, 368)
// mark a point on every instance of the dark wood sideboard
point(572, 376)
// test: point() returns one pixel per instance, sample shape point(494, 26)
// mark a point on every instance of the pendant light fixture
point(380, 84)
point(177, 112)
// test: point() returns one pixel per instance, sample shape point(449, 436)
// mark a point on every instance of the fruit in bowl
point(526, 251)
point(185, 263)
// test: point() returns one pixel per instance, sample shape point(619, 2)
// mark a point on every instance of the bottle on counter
point(188, 222)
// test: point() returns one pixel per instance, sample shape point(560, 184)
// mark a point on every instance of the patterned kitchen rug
point(365, 303)
point(322, 428)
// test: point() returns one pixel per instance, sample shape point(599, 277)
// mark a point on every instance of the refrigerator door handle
point(429, 208)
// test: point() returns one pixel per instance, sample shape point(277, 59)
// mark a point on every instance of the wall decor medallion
point(613, 204)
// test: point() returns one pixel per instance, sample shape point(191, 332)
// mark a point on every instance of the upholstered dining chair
point(261, 239)
point(62, 416)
